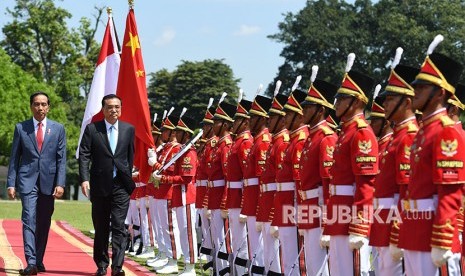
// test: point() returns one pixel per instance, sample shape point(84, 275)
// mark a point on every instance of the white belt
point(427, 204)
point(251, 181)
point(385, 202)
point(286, 186)
point(216, 183)
point(235, 184)
point(342, 190)
point(140, 184)
point(268, 187)
point(201, 183)
point(312, 193)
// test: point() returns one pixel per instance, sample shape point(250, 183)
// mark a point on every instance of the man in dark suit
point(38, 171)
point(108, 148)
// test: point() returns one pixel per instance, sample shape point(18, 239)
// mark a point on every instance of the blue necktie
point(113, 144)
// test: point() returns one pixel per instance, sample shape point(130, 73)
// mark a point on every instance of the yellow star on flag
point(140, 73)
point(133, 43)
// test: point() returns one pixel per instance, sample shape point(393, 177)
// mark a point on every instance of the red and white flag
point(105, 78)
point(132, 89)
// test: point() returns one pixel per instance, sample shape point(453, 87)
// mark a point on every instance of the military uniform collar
point(317, 126)
point(434, 116)
point(352, 119)
point(297, 131)
point(262, 132)
point(404, 123)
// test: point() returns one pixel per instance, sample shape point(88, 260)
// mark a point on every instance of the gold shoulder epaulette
point(302, 136)
point(213, 143)
point(266, 137)
point(227, 141)
point(286, 137)
point(327, 130)
point(361, 123)
point(447, 121)
point(412, 128)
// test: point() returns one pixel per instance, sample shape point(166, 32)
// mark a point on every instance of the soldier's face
point(165, 135)
point(376, 124)
point(217, 125)
point(309, 112)
point(341, 105)
point(207, 128)
point(390, 104)
point(422, 93)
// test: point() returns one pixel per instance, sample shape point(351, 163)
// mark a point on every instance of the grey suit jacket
point(28, 165)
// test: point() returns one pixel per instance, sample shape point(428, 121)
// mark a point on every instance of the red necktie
point(40, 136)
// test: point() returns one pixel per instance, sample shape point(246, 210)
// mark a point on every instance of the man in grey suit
point(37, 171)
point(107, 146)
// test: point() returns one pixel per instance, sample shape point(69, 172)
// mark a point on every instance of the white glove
point(224, 214)
point(152, 161)
point(440, 256)
point(135, 174)
point(274, 231)
point(396, 252)
point(259, 226)
point(242, 218)
point(151, 153)
point(156, 176)
point(207, 213)
point(301, 232)
point(324, 240)
point(356, 242)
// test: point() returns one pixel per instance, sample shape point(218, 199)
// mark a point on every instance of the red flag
point(132, 90)
point(105, 78)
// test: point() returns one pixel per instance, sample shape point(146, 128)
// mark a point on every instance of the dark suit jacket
point(95, 151)
point(27, 164)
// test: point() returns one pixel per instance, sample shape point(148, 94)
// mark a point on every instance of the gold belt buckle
point(210, 184)
point(302, 195)
point(406, 204)
point(333, 189)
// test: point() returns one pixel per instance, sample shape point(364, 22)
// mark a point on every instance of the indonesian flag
point(105, 78)
point(132, 90)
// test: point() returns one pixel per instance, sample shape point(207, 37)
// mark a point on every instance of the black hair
point(110, 96)
point(31, 98)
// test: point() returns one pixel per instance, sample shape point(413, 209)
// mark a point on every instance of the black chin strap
point(396, 108)
point(275, 125)
point(182, 137)
point(347, 109)
point(292, 122)
point(430, 97)
point(239, 126)
point(383, 125)
point(313, 116)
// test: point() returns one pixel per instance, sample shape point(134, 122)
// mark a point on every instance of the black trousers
point(114, 209)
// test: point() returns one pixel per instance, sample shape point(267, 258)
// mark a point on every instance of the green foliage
point(326, 31)
point(191, 85)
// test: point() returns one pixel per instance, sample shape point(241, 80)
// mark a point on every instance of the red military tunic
point(352, 174)
point(274, 159)
point(435, 189)
point(315, 163)
point(394, 171)
point(383, 143)
point(215, 197)
point(169, 150)
point(202, 175)
point(150, 190)
point(286, 178)
point(182, 180)
point(255, 164)
point(237, 159)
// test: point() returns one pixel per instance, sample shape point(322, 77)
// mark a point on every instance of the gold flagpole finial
point(109, 10)
point(131, 4)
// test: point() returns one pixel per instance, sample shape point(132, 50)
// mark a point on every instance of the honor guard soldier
point(378, 122)
point(183, 182)
point(315, 163)
point(274, 159)
point(202, 180)
point(352, 175)
point(255, 165)
point(287, 178)
point(215, 199)
point(236, 166)
point(429, 232)
point(168, 227)
point(391, 182)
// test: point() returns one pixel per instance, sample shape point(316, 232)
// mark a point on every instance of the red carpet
point(69, 252)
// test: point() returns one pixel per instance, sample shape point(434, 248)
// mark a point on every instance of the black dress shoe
point(41, 268)
point(101, 271)
point(118, 272)
point(29, 270)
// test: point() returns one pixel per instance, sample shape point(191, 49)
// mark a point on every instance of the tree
point(324, 32)
point(191, 85)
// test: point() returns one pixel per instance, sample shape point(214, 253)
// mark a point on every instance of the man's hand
point(274, 231)
point(224, 214)
point(207, 213)
point(396, 252)
point(12, 193)
point(440, 256)
point(259, 226)
point(324, 241)
point(85, 187)
point(59, 191)
point(152, 157)
point(356, 242)
point(242, 218)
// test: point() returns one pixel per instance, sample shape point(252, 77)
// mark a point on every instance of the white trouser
point(185, 216)
point(271, 250)
point(238, 238)
point(290, 250)
point(205, 228)
point(153, 221)
point(315, 257)
point(384, 264)
point(342, 257)
point(169, 229)
point(420, 263)
point(132, 218)
point(144, 221)
point(255, 242)
point(218, 237)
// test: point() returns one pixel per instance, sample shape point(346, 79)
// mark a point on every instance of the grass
point(76, 213)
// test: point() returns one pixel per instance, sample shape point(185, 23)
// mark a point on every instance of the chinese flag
point(132, 90)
